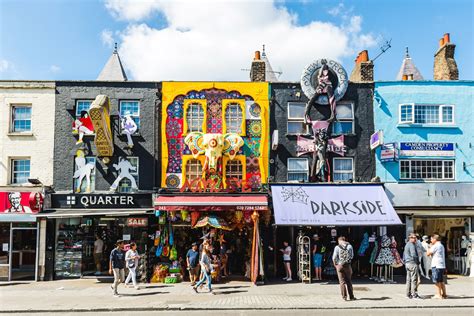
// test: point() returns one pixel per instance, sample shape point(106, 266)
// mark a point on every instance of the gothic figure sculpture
point(318, 171)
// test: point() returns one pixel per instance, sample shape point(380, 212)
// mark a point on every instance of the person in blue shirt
point(117, 266)
point(192, 263)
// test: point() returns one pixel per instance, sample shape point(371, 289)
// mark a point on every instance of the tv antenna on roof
point(277, 74)
point(386, 46)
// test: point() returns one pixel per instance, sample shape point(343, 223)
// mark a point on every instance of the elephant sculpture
point(213, 146)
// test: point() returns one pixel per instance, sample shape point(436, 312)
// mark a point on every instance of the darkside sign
point(101, 201)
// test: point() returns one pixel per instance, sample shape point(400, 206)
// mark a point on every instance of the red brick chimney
point(257, 70)
point(445, 67)
point(364, 68)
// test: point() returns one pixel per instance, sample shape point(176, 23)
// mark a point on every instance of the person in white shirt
point(287, 260)
point(98, 253)
point(131, 259)
point(438, 265)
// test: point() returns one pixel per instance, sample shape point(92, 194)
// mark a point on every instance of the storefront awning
point(211, 202)
point(332, 205)
point(91, 212)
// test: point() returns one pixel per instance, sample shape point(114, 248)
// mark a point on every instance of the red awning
point(211, 202)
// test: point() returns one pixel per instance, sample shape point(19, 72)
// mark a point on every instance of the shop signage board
point(101, 201)
point(376, 140)
point(337, 205)
point(137, 222)
point(389, 152)
point(20, 202)
point(427, 149)
point(430, 194)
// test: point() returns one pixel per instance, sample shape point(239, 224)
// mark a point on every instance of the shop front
point(360, 212)
point(84, 228)
point(446, 209)
point(234, 224)
point(19, 235)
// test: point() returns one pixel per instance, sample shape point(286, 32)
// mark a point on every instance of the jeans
point(412, 278)
point(132, 274)
point(344, 274)
point(206, 276)
point(119, 277)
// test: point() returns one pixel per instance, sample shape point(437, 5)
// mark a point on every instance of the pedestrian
point(192, 260)
point(206, 268)
point(287, 261)
point(438, 265)
point(98, 250)
point(131, 258)
point(117, 265)
point(412, 260)
point(342, 258)
point(317, 256)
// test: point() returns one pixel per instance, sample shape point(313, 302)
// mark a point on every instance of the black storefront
point(75, 220)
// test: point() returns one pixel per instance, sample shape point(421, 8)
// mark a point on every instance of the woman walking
point(206, 268)
point(131, 258)
point(287, 260)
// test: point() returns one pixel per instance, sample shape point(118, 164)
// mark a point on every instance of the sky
point(163, 40)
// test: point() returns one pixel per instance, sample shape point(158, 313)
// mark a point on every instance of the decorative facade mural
point(123, 168)
point(100, 116)
point(215, 131)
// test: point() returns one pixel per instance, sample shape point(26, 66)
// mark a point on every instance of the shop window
point(5, 242)
point(345, 119)
point(21, 118)
point(20, 170)
point(234, 118)
point(82, 106)
point(69, 241)
point(193, 170)
point(435, 114)
point(234, 169)
point(343, 169)
point(195, 114)
point(295, 123)
point(89, 160)
point(427, 169)
point(125, 185)
point(298, 169)
point(131, 108)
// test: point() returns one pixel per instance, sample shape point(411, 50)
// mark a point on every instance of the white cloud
point(107, 38)
point(5, 65)
point(213, 40)
point(54, 69)
point(337, 10)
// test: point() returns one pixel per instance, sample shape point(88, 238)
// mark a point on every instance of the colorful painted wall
point(215, 98)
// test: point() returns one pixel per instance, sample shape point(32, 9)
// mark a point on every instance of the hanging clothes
point(375, 251)
point(364, 245)
point(385, 256)
point(397, 263)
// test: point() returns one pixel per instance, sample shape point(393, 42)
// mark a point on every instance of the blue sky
point(59, 39)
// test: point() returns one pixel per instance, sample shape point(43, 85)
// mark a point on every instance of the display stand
point(304, 258)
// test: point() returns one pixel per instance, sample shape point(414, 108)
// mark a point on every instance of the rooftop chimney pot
point(257, 55)
point(446, 38)
point(405, 77)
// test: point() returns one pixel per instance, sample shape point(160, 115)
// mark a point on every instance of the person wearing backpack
point(342, 258)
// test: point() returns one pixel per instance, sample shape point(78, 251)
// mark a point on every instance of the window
point(125, 185)
point(427, 169)
point(345, 119)
point(83, 188)
point(426, 114)
point(81, 106)
point(195, 117)
point(20, 171)
point(343, 169)
point(193, 170)
point(295, 123)
point(131, 108)
point(298, 169)
point(21, 118)
point(234, 169)
point(233, 118)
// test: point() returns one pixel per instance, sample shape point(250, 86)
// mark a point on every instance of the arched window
point(234, 169)
point(233, 118)
point(193, 170)
point(195, 117)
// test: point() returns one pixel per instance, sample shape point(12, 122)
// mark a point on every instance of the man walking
point(192, 260)
point(342, 258)
point(438, 265)
point(117, 266)
point(411, 259)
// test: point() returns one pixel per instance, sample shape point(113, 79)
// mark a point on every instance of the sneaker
point(352, 299)
point(416, 297)
point(116, 295)
point(409, 296)
point(284, 279)
point(137, 287)
point(289, 280)
point(195, 289)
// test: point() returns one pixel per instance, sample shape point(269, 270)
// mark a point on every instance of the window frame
point(243, 161)
point(76, 114)
point(12, 170)
point(137, 116)
point(13, 106)
point(345, 120)
point(241, 103)
point(334, 171)
point(186, 105)
point(443, 170)
point(93, 175)
point(441, 107)
point(413, 116)
point(135, 174)
point(186, 160)
point(297, 171)
point(292, 120)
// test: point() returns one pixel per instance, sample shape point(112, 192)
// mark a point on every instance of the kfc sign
point(21, 202)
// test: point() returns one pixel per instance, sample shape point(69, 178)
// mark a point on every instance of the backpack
point(344, 255)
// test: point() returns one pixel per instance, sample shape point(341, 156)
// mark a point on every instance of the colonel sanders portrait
point(15, 204)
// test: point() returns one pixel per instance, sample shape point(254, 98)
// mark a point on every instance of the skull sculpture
point(213, 146)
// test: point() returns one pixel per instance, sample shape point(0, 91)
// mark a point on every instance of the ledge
point(20, 134)
point(427, 126)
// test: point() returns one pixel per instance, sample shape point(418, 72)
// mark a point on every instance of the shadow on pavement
point(145, 294)
point(383, 298)
point(232, 287)
point(228, 292)
point(154, 286)
point(12, 283)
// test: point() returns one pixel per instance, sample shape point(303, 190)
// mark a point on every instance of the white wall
point(39, 145)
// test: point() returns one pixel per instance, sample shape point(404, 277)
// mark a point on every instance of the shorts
point(437, 275)
point(194, 271)
point(97, 258)
point(317, 260)
point(284, 261)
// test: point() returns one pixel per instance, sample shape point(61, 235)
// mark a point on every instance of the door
point(23, 254)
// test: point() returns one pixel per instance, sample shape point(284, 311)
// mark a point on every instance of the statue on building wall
point(83, 126)
point(83, 170)
point(124, 167)
point(129, 127)
point(318, 172)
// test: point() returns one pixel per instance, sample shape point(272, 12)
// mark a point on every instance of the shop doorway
point(23, 253)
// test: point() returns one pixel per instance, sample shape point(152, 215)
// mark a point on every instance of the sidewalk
point(90, 295)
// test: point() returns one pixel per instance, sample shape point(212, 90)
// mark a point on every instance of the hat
point(194, 244)
point(315, 236)
point(425, 237)
point(206, 236)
